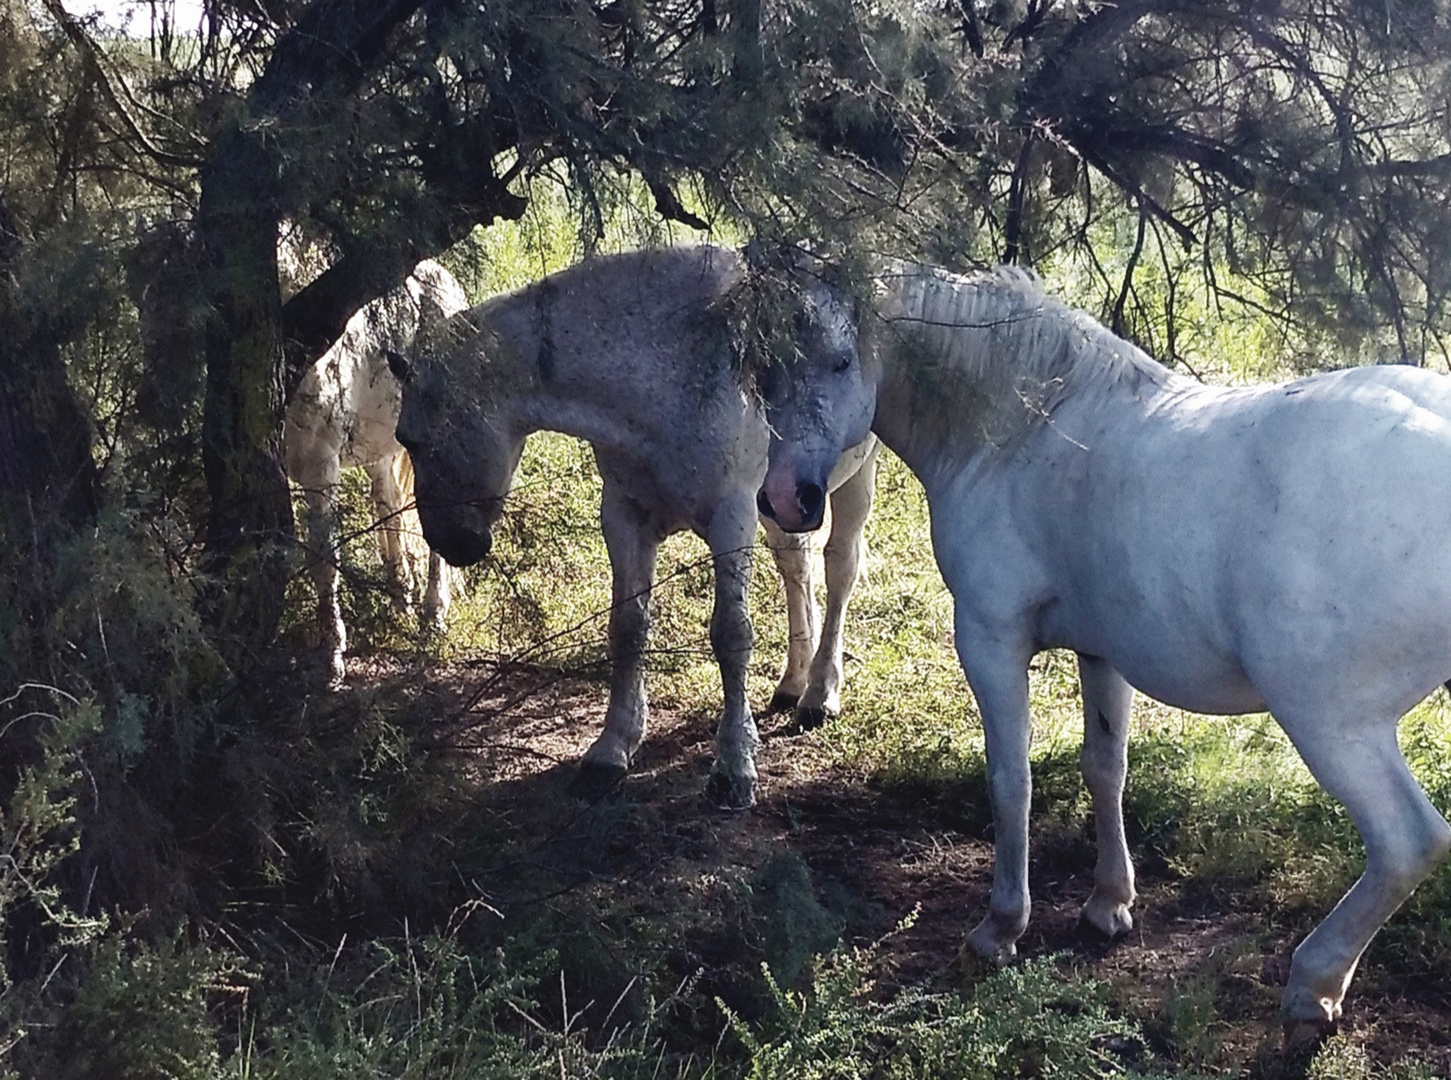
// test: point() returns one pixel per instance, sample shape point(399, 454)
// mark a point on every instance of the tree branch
point(107, 82)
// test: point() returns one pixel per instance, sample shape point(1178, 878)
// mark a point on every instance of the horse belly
point(1167, 653)
point(1201, 683)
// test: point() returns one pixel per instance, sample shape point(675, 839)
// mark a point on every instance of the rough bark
point(249, 527)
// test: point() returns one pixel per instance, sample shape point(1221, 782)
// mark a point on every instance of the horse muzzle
point(800, 511)
point(457, 545)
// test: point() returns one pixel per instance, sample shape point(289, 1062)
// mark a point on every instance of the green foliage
point(795, 928)
point(38, 837)
point(1343, 1059)
point(140, 1012)
point(37, 823)
point(1027, 1020)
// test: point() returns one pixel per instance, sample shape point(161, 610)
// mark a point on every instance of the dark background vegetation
point(181, 811)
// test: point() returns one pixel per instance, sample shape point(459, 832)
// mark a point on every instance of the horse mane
point(999, 331)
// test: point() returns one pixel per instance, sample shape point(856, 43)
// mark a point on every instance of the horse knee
point(730, 632)
point(629, 630)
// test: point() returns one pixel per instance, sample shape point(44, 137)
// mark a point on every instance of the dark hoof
point(730, 793)
point(804, 720)
point(1304, 1038)
point(1086, 930)
point(781, 702)
point(594, 781)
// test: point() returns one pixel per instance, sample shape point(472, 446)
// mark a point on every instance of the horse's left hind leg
point(1107, 704)
point(319, 492)
point(387, 505)
point(1405, 838)
point(851, 505)
point(794, 561)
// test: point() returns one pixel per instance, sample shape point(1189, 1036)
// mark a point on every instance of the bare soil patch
point(655, 850)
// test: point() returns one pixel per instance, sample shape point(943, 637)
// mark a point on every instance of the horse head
point(817, 403)
point(464, 455)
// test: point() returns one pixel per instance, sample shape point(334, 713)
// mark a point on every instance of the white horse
point(1282, 547)
point(632, 353)
point(343, 414)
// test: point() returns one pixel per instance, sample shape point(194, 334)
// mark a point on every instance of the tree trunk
point(249, 531)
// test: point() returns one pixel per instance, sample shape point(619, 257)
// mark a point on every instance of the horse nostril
point(812, 500)
point(763, 505)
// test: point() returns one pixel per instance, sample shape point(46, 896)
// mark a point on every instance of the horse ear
point(398, 364)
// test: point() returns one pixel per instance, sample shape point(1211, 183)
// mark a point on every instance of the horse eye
point(841, 365)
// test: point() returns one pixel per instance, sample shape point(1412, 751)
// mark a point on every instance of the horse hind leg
point(794, 562)
point(845, 554)
point(387, 500)
point(1405, 839)
point(1107, 705)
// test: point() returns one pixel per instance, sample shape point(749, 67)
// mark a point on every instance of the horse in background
point(636, 354)
point(1282, 548)
point(344, 414)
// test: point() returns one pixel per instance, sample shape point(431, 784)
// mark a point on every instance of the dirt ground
point(1201, 975)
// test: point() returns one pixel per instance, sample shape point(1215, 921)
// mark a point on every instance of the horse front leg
point(1107, 704)
point(998, 675)
point(851, 505)
point(632, 537)
point(793, 555)
point(319, 494)
point(732, 784)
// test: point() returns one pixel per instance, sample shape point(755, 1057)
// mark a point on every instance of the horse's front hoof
point(731, 792)
point(811, 717)
point(595, 780)
point(986, 945)
point(782, 702)
point(1304, 1038)
point(1106, 918)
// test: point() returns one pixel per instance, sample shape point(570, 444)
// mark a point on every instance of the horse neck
point(568, 398)
point(967, 370)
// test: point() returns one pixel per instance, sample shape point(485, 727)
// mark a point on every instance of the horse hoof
point(1106, 920)
point(1303, 1038)
point(983, 944)
point(731, 792)
point(595, 780)
point(782, 702)
point(811, 717)
point(807, 718)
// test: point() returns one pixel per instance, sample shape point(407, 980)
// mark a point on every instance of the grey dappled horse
point(632, 353)
point(343, 414)
point(1281, 547)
